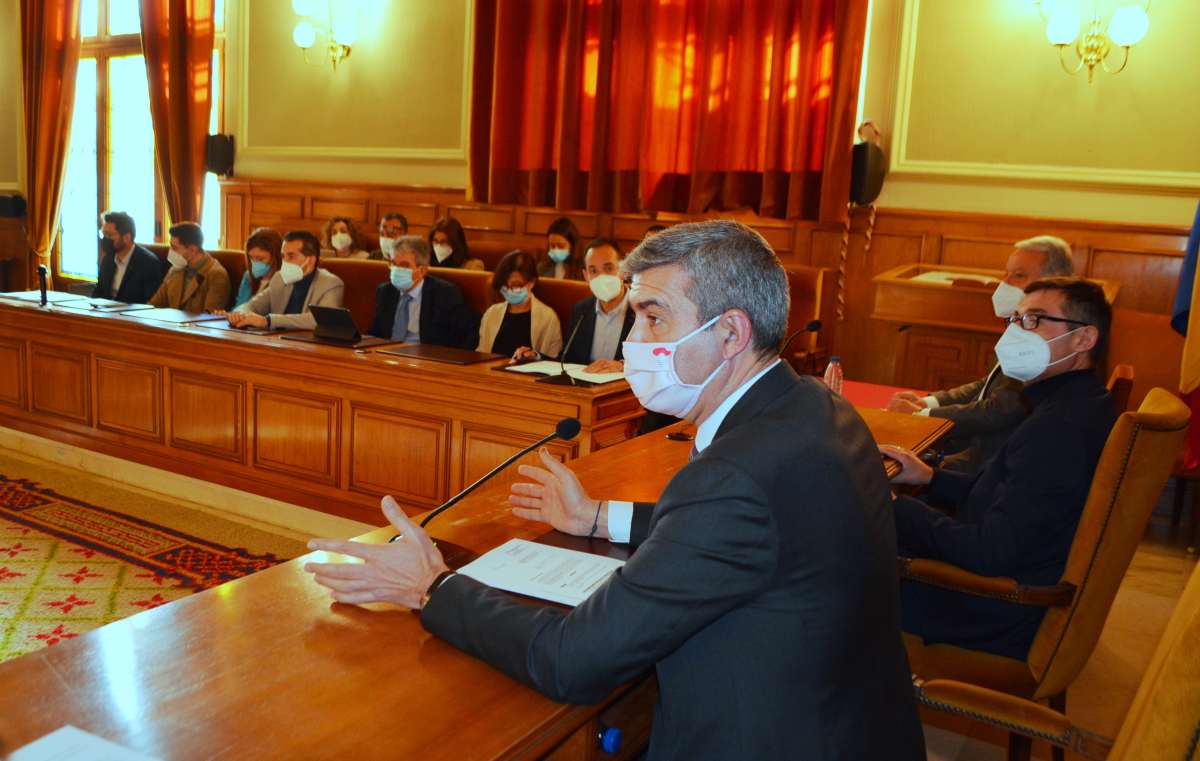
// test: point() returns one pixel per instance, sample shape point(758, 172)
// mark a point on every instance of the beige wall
point(978, 115)
point(394, 112)
point(11, 147)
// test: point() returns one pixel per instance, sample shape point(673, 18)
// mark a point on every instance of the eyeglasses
point(1031, 320)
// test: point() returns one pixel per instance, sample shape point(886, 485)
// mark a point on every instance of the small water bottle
point(833, 375)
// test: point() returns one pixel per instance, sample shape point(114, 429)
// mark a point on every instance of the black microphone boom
point(813, 326)
point(564, 378)
point(42, 272)
point(567, 429)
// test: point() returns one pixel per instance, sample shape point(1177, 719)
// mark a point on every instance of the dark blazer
point(143, 275)
point(580, 351)
point(985, 413)
point(1016, 517)
point(763, 592)
point(446, 320)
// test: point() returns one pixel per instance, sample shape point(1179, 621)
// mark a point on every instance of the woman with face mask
point(561, 258)
point(449, 243)
point(520, 319)
point(263, 259)
point(340, 240)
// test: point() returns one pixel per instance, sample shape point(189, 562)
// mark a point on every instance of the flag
point(1186, 320)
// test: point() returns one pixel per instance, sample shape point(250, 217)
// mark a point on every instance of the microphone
point(563, 378)
point(567, 429)
point(813, 326)
point(42, 272)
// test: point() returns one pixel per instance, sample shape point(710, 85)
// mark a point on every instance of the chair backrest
point(561, 296)
point(1163, 720)
point(491, 251)
point(476, 285)
point(1130, 475)
point(1120, 384)
point(361, 277)
point(811, 292)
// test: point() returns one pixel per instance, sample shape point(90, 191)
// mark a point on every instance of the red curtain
point(49, 62)
point(667, 105)
point(177, 39)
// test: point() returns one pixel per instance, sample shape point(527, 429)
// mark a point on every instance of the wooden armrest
point(939, 574)
point(1011, 713)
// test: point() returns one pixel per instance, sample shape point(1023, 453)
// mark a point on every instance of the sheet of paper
point(538, 570)
point(550, 367)
point(594, 377)
point(73, 744)
point(946, 276)
point(545, 367)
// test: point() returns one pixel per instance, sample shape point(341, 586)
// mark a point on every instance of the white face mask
point(291, 273)
point(176, 259)
point(1024, 355)
point(442, 252)
point(387, 246)
point(341, 241)
point(650, 370)
point(605, 287)
point(1006, 298)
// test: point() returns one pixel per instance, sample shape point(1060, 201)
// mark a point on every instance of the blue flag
point(1187, 276)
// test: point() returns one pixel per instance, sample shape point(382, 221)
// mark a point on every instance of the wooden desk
point(266, 667)
point(321, 426)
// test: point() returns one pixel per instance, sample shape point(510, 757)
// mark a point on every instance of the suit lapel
point(625, 328)
point(193, 284)
point(777, 381)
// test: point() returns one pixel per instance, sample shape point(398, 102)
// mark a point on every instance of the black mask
point(108, 246)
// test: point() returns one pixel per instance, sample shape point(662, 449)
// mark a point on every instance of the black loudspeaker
point(12, 206)
point(868, 168)
point(218, 154)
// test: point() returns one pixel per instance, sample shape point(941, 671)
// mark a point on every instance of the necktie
point(400, 323)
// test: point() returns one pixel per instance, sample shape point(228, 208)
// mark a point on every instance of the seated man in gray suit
point(985, 412)
point(763, 589)
point(299, 284)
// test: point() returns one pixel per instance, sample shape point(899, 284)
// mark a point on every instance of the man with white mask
point(763, 589)
point(986, 411)
point(299, 284)
point(1017, 517)
point(195, 282)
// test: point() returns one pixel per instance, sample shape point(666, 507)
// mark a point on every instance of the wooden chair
point(360, 277)
point(1163, 722)
point(1129, 477)
point(1120, 385)
point(812, 298)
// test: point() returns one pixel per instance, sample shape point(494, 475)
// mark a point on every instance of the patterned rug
point(67, 567)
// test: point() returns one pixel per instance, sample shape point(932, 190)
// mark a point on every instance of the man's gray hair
point(730, 267)
point(418, 245)
point(1058, 254)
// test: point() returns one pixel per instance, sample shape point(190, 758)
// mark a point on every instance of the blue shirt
point(295, 303)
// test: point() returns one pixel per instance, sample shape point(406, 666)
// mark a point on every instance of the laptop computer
point(335, 325)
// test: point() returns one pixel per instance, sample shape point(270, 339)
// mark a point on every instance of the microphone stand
point(564, 378)
point(42, 271)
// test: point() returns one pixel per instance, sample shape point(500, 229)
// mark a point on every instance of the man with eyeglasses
point(1017, 517)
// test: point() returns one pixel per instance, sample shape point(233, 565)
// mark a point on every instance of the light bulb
point(1063, 27)
point(345, 32)
point(1129, 25)
point(304, 35)
point(304, 7)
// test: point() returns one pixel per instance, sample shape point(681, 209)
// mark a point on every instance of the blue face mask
point(515, 295)
point(559, 255)
point(402, 278)
point(260, 269)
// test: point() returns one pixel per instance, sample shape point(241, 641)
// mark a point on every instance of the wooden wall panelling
point(324, 208)
point(537, 220)
point(13, 373)
point(405, 455)
point(297, 433)
point(1148, 280)
point(420, 216)
point(129, 398)
point(484, 218)
point(207, 414)
point(484, 446)
point(277, 205)
point(60, 383)
point(233, 221)
point(985, 253)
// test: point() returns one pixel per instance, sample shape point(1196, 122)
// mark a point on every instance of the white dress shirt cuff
point(620, 521)
point(923, 412)
point(931, 402)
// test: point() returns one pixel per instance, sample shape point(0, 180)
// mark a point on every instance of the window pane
point(79, 215)
point(219, 14)
point(131, 143)
point(124, 17)
point(210, 214)
point(89, 18)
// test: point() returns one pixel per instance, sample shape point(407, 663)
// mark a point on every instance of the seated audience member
point(128, 272)
point(653, 230)
point(391, 228)
point(1017, 517)
point(449, 244)
point(520, 320)
point(561, 260)
point(196, 281)
point(986, 411)
point(341, 239)
point(299, 284)
point(416, 307)
point(263, 258)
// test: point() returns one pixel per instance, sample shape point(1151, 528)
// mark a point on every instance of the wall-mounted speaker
point(868, 168)
point(218, 155)
point(12, 206)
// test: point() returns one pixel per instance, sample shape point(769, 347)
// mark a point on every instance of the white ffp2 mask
point(1005, 299)
point(1024, 355)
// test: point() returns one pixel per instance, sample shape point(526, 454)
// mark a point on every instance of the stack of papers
point(538, 570)
point(73, 744)
point(575, 371)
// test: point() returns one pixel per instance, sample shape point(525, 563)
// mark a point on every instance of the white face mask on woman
point(650, 371)
point(1024, 355)
point(341, 241)
point(442, 252)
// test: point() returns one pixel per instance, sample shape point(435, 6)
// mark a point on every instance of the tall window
point(110, 161)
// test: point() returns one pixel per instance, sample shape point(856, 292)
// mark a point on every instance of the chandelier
point(334, 21)
point(1086, 34)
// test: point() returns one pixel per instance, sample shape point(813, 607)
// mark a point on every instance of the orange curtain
point(666, 105)
point(49, 62)
point(177, 40)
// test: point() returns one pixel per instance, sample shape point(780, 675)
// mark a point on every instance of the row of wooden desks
point(267, 667)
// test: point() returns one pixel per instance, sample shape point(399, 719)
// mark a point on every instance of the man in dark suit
point(1017, 516)
point(128, 272)
point(416, 307)
point(763, 589)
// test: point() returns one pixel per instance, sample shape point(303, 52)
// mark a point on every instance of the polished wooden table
point(267, 667)
point(325, 427)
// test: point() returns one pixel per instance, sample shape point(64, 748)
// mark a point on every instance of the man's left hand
point(399, 572)
point(605, 366)
point(247, 320)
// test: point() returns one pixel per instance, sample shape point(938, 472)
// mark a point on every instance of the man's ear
point(740, 332)
point(1086, 339)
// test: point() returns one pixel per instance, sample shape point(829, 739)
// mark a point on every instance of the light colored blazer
point(326, 290)
point(544, 328)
